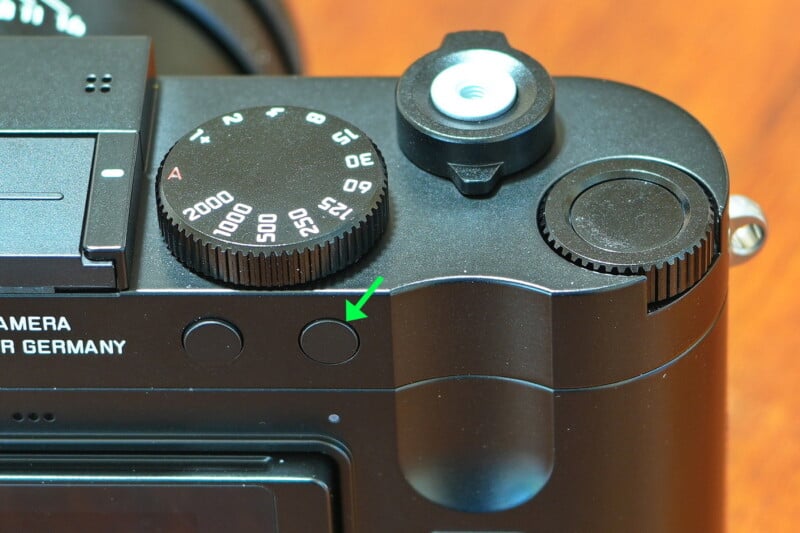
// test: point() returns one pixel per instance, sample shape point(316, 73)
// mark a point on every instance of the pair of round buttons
point(217, 342)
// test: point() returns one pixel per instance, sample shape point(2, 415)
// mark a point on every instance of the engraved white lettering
point(34, 323)
point(30, 12)
point(72, 347)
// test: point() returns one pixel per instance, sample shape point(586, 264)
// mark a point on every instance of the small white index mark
point(113, 173)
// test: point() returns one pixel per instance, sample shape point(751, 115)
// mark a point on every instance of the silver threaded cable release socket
point(477, 88)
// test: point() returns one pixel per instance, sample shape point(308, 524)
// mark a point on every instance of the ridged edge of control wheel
point(666, 279)
point(274, 270)
point(633, 217)
point(259, 197)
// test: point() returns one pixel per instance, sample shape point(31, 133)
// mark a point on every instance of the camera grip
point(476, 444)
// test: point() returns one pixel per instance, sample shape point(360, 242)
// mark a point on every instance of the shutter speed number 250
point(268, 225)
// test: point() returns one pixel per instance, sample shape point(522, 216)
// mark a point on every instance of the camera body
point(505, 379)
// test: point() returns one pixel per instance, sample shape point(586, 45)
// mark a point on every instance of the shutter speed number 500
point(268, 225)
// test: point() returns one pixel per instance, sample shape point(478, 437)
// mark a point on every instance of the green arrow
point(353, 312)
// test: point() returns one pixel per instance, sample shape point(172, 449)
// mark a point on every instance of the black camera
point(471, 299)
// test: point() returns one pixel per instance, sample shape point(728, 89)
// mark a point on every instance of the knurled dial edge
point(633, 216)
point(272, 197)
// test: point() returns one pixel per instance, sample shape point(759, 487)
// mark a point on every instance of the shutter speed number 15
point(268, 222)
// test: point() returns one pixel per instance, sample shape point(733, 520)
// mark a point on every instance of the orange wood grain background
point(735, 65)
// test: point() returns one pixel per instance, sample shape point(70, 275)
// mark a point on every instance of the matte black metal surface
point(497, 386)
point(49, 78)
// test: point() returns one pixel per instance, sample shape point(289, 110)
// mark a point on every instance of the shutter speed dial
point(272, 196)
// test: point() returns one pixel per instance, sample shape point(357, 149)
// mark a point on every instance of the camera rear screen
point(167, 493)
point(133, 509)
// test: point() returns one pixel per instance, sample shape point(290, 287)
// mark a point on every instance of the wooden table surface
point(735, 65)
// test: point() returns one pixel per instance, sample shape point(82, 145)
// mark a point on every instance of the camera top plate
point(442, 254)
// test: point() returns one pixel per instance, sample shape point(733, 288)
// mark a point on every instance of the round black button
point(329, 341)
point(212, 342)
